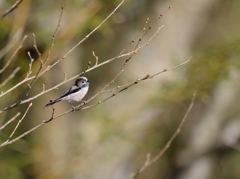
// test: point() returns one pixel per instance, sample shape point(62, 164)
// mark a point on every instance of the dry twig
point(11, 120)
point(19, 122)
point(12, 8)
point(150, 161)
point(13, 55)
point(12, 75)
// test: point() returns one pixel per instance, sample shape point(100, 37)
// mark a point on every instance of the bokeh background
point(112, 140)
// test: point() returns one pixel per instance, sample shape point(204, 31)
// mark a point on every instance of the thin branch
point(86, 37)
point(21, 136)
point(36, 48)
point(96, 58)
point(19, 122)
point(11, 120)
point(49, 52)
point(10, 77)
point(53, 112)
point(30, 64)
point(133, 41)
point(159, 155)
point(43, 87)
point(11, 44)
point(13, 55)
point(12, 8)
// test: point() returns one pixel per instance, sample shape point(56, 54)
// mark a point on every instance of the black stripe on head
point(81, 81)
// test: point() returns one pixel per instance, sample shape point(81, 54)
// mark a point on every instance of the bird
point(75, 93)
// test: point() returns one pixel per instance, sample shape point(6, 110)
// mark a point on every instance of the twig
point(86, 37)
point(43, 87)
point(89, 65)
point(21, 136)
point(30, 64)
point(53, 111)
point(11, 120)
point(9, 77)
point(96, 58)
point(11, 44)
point(65, 76)
point(18, 123)
point(13, 7)
point(36, 48)
point(133, 41)
point(13, 55)
point(49, 52)
point(178, 130)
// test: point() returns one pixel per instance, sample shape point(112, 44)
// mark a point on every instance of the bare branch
point(178, 130)
point(11, 120)
point(30, 64)
point(86, 37)
point(96, 58)
point(36, 48)
point(49, 52)
point(12, 8)
point(11, 44)
point(43, 87)
point(13, 55)
point(18, 123)
point(53, 111)
point(10, 77)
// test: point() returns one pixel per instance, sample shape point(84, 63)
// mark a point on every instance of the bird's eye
point(82, 81)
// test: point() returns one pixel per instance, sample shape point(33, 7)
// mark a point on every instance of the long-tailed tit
point(74, 94)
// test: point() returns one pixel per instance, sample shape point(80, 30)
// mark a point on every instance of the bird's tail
point(53, 102)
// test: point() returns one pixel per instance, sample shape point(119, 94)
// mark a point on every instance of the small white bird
point(74, 94)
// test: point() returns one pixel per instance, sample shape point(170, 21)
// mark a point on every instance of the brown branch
point(13, 55)
point(19, 122)
point(36, 48)
point(11, 44)
point(12, 8)
point(159, 155)
point(11, 120)
point(49, 52)
point(96, 58)
point(12, 75)
point(30, 65)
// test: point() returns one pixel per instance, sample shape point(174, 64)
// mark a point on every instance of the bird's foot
point(73, 108)
point(84, 102)
point(47, 121)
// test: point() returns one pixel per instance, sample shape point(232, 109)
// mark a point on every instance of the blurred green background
point(112, 140)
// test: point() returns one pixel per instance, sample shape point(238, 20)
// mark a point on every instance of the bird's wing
point(71, 90)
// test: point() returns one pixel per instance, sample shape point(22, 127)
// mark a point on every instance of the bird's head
point(81, 81)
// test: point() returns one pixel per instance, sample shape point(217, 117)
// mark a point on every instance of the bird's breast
point(78, 96)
